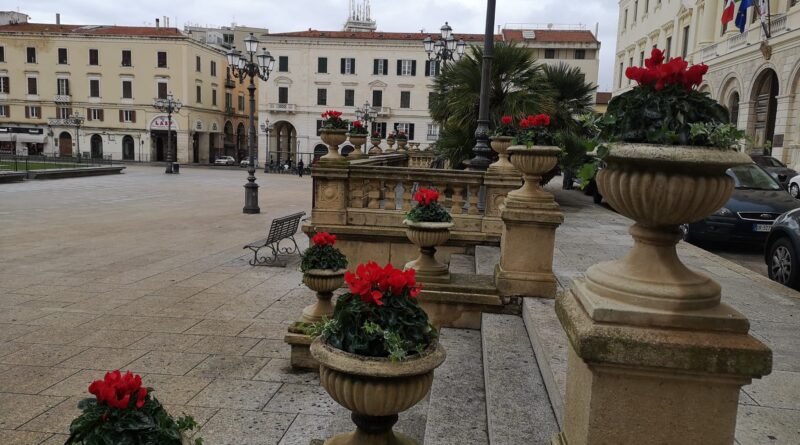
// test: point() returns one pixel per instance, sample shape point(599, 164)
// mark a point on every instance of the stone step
point(517, 405)
point(486, 258)
point(457, 404)
point(462, 264)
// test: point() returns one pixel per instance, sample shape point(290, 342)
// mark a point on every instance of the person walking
point(300, 166)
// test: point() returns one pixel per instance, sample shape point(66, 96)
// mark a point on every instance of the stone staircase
point(490, 389)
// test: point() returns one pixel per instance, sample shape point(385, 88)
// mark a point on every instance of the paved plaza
point(145, 271)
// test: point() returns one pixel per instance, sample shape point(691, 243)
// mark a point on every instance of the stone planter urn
point(401, 144)
point(500, 145)
point(323, 282)
point(533, 163)
point(426, 236)
point(415, 146)
point(390, 143)
point(333, 138)
point(357, 140)
point(376, 147)
point(375, 390)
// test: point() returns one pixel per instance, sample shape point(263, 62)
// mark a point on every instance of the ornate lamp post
point(446, 49)
point(77, 120)
point(242, 68)
point(366, 113)
point(482, 150)
point(169, 105)
point(266, 127)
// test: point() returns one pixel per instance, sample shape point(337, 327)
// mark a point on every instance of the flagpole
point(760, 18)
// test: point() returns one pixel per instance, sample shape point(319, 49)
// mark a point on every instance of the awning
point(6, 137)
point(35, 138)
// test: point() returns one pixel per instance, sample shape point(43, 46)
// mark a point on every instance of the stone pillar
point(184, 145)
point(527, 243)
point(203, 143)
point(497, 187)
point(330, 193)
point(708, 23)
point(783, 128)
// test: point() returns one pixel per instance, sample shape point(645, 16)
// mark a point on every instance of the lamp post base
point(251, 199)
point(169, 168)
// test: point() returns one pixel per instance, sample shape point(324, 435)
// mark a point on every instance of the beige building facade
point(756, 74)
point(110, 76)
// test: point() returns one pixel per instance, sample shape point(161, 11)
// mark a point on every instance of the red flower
point(373, 283)
point(659, 75)
point(656, 58)
point(324, 239)
point(116, 390)
point(426, 196)
point(357, 124)
point(507, 120)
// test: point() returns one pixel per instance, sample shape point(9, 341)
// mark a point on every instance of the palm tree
point(518, 88)
point(573, 96)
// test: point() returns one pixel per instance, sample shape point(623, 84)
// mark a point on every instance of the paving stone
point(110, 337)
point(75, 385)
point(173, 389)
point(225, 345)
point(56, 439)
point(302, 399)
point(160, 341)
point(218, 327)
point(7, 348)
point(32, 379)
point(239, 427)
point(270, 348)
point(781, 389)
point(16, 409)
point(56, 419)
point(229, 367)
point(307, 426)
point(41, 355)
point(163, 362)
point(236, 394)
point(9, 437)
point(56, 335)
point(9, 332)
point(265, 329)
point(280, 370)
point(757, 425)
point(198, 413)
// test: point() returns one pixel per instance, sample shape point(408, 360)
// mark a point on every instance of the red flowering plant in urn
point(125, 412)
point(332, 120)
point(428, 208)
point(357, 128)
point(322, 254)
point(534, 130)
point(323, 267)
point(505, 128)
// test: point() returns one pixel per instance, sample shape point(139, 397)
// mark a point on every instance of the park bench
point(281, 229)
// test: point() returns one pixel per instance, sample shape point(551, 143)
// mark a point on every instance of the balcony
point(709, 52)
point(737, 41)
point(282, 108)
point(229, 111)
point(776, 25)
point(432, 137)
point(62, 98)
point(383, 111)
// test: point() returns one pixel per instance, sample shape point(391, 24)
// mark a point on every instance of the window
point(283, 95)
point(377, 98)
point(405, 99)
point(668, 55)
point(198, 94)
point(213, 97)
point(241, 102)
point(33, 86)
point(431, 98)
point(549, 53)
point(433, 132)
point(283, 64)
point(630, 63)
point(4, 85)
point(635, 11)
point(127, 89)
point(162, 59)
point(33, 112)
point(320, 122)
point(31, 52)
point(431, 68)
point(348, 66)
point(322, 96)
point(580, 54)
point(228, 102)
point(94, 87)
point(213, 68)
point(63, 112)
point(197, 63)
point(94, 114)
point(406, 128)
point(322, 65)
point(126, 57)
point(5, 111)
point(379, 127)
point(2, 54)
point(94, 57)
point(62, 87)
point(685, 49)
point(406, 67)
point(641, 59)
point(127, 115)
point(621, 69)
point(380, 67)
point(62, 56)
point(349, 98)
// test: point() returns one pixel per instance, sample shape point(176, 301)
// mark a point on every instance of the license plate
point(762, 227)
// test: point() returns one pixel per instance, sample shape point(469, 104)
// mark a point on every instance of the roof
point(552, 35)
point(603, 98)
point(375, 35)
point(91, 30)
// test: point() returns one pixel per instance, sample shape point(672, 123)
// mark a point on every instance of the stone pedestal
point(299, 343)
point(330, 193)
point(498, 184)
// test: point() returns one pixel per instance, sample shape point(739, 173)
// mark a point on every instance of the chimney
point(166, 22)
point(157, 22)
point(58, 19)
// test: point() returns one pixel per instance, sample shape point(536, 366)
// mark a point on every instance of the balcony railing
point(432, 137)
point(62, 98)
point(383, 111)
point(737, 40)
point(776, 25)
point(282, 108)
point(709, 52)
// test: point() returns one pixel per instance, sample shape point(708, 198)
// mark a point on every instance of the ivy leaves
point(323, 257)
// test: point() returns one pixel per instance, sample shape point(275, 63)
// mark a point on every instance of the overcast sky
point(294, 15)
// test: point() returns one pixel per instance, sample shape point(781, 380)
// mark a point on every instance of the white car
point(794, 186)
point(225, 160)
point(246, 163)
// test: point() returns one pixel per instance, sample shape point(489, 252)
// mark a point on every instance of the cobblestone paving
point(146, 272)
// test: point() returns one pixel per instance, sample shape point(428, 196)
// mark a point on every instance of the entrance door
point(127, 148)
point(766, 107)
point(159, 149)
point(97, 146)
point(195, 148)
point(65, 144)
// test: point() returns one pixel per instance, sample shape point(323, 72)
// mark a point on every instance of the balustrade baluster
point(457, 207)
point(473, 190)
point(390, 202)
point(374, 193)
point(357, 193)
point(407, 186)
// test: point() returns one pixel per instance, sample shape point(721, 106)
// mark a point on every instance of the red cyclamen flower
point(323, 239)
point(426, 196)
point(116, 390)
point(507, 120)
point(373, 283)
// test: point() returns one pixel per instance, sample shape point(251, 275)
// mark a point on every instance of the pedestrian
point(300, 168)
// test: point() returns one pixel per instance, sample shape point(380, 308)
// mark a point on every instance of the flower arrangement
point(322, 254)
point(380, 315)
point(376, 135)
point(124, 411)
point(399, 135)
point(533, 130)
point(358, 129)
point(664, 105)
point(428, 208)
point(505, 128)
point(332, 120)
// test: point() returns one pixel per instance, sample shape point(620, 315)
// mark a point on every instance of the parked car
point(225, 160)
point(781, 250)
point(757, 201)
point(777, 170)
point(794, 187)
point(246, 163)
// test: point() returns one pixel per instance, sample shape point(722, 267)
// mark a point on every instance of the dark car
point(775, 168)
point(783, 245)
point(757, 201)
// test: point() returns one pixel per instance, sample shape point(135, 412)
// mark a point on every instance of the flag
point(741, 16)
point(763, 10)
point(728, 10)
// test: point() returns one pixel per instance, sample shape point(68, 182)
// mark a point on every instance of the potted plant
point(500, 141)
point(390, 140)
point(427, 226)
point(402, 140)
point(323, 267)
point(534, 155)
point(671, 146)
point(358, 137)
point(377, 353)
point(376, 143)
point(125, 412)
point(333, 133)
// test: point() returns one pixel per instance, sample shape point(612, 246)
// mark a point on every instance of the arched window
point(733, 107)
point(128, 148)
point(97, 146)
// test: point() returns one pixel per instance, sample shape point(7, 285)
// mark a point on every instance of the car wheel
point(794, 189)
point(783, 266)
point(685, 234)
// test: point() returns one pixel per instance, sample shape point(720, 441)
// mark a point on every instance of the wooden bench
point(281, 229)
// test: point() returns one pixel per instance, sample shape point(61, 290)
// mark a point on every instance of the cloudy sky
point(294, 15)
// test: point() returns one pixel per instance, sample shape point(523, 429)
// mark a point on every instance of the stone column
point(783, 128)
point(330, 193)
point(708, 23)
point(184, 144)
point(203, 143)
point(497, 187)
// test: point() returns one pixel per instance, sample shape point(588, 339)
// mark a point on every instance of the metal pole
point(169, 138)
point(251, 188)
point(482, 150)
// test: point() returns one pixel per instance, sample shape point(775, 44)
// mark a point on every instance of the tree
point(518, 88)
point(572, 95)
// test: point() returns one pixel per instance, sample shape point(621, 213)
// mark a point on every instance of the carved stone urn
point(375, 390)
point(357, 140)
point(376, 147)
point(500, 145)
point(323, 282)
point(533, 163)
point(401, 144)
point(332, 138)
point(390, 143)
point(426, 236)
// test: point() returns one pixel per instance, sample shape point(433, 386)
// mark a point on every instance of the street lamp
point(446, 49)
point(77, 120)
point(243, 68)
point(482, 150)
point(266, 127)
point(366, 114)
point(168, 105)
